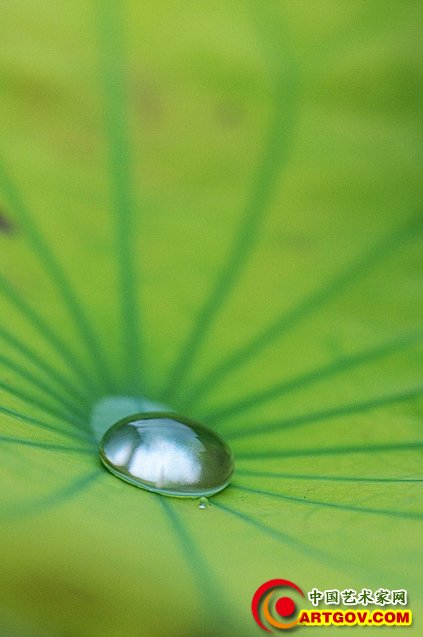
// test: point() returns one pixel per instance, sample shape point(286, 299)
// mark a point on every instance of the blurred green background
point(217, 206)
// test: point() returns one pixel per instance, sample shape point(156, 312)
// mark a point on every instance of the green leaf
point(218, 208)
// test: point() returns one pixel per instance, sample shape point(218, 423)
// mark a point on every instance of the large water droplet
point(167, 453)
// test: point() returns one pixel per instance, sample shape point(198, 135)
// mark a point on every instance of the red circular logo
point(268, 604)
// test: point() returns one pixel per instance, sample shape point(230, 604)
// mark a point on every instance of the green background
point(215, 205)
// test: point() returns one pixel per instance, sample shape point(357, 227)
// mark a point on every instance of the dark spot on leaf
point(228, 114)
point(58, 589)
point(6, 225)
point(149, 100)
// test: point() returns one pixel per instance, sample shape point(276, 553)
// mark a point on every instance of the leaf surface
point(217, 208)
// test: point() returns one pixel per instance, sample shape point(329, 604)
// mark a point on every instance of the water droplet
point(168, 454)
point(203, 503)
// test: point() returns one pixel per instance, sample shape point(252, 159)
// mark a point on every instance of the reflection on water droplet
point(203, 503)
point(168, 454)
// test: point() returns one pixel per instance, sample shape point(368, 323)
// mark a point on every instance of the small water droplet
point(168, 454)
point(203, 503)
